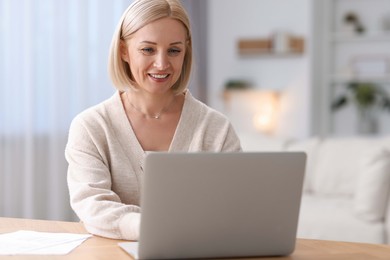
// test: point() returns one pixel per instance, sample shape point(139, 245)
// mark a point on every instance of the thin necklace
point(156, 116)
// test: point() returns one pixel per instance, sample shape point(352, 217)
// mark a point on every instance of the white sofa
point(346, 188)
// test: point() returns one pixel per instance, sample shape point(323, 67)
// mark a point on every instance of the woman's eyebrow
point(153, 43)
point(175, 43)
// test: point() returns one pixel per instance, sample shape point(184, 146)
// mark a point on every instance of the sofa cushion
point(373, 184)
point(310, 147)
point(336, 169)
point(332, 218)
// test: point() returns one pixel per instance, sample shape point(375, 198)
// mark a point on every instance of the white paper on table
point(131, 248)
point(42, 243)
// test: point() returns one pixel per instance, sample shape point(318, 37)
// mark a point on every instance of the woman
point(150, 64)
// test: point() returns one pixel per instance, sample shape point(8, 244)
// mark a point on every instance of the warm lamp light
point(265, 114)
point(254, 109)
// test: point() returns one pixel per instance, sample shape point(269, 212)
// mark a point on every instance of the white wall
point(230, 20)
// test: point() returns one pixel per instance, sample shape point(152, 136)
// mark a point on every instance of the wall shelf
point(365, 37)
point(270, 54)
point(267, 47)
point(343, 79)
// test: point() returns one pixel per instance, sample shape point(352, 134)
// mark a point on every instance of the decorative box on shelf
point(276, 45)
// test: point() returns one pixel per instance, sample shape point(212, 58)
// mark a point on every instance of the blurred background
point(276, 68)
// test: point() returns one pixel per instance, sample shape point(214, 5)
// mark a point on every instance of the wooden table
point(103, 248)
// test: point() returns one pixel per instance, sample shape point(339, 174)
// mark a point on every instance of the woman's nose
point(161, 62)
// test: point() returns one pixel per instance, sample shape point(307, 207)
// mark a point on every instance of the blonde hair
point(136, 16)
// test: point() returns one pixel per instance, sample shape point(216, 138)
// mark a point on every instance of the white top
point(105, 161)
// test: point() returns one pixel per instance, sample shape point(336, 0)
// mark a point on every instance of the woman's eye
point(147, 51)
point(174, 52)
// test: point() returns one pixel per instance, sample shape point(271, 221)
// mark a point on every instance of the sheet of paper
point(42, 243)
point(131, 248)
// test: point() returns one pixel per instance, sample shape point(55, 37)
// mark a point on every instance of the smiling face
point(155, 54)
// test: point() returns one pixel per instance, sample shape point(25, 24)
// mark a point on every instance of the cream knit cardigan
point(105, 161)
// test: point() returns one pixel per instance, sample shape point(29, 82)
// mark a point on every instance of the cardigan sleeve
point(89, 183)
point(232, 142)
point(217, 133)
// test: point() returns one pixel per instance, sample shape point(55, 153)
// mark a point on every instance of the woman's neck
point(150, 106)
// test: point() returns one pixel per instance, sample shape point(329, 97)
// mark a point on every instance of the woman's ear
point(123, 51)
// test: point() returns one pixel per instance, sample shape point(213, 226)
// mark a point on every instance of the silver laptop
point(215, 205)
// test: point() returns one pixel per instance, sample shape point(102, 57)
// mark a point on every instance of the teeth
point(159, 76)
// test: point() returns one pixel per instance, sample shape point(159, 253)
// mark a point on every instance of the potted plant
point(367, 97)
point(351, 20)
